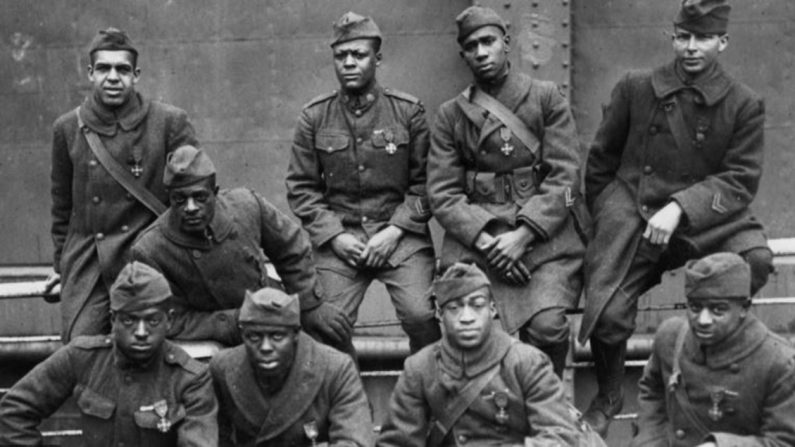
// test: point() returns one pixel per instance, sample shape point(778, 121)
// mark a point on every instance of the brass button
point(361, 168)
point(653, 130)
point(735, 368)
point(644, 208)
point(96, 199)
point(196, 254)
point(462, 439)
point(647, 169)
point(359, 141)
point(92, 163)
point(125, 228)
point(100, 236)
point(680, 434)
point(357, 113)
point(364, 218)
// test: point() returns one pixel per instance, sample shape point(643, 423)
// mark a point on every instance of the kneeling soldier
point(283, 388)
point(132, 387)
point(477, 384)
point(721, 378)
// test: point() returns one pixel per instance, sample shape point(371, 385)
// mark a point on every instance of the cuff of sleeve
point(539, 232)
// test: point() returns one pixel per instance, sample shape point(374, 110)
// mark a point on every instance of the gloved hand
point(328, 323)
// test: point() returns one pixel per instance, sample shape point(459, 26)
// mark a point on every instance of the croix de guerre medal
point(311, 432)
point(505, 135)
point(161, 410)
point(717, 396)
point(136, 169)
point(501, 400)
point(389, 136)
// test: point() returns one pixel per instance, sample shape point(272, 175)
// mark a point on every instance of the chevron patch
point(569, 198)
point(716, 205)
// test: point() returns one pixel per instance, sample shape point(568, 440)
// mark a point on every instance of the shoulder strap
point(319, 98)
point(402, 95)
point(508, 118)
point(121, 175)
point(676, 383)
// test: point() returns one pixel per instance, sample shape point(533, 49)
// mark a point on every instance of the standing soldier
point(132, 387)
point(721, 378)
point(107, 168)
point(357, 182)
point(281, 388)
point(478, 385)
point(671, 173)
point(211, 246)
point(503, 180)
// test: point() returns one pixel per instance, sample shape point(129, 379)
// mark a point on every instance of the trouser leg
point(346, 292)
point(761, 262)
point(548, 330)
point(93, 318)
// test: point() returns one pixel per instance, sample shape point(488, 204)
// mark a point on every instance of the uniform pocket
point(523, 184)
point(330, 142)
point(94, 404)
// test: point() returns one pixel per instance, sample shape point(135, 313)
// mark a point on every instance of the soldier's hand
point(329, 323)
point(348, 248)
point(380, 247)
point(516, 273)
point(663, 223)
point(484, 242)
point(509, 247)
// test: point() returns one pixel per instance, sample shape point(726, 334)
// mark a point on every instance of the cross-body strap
point(508, 118)
point(676, 383)
point(121, 175)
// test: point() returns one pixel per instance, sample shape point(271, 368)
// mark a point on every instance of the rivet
point(565, 23)
point(535, 24)
point(536, 65)
point(565, 3)
point(565, 64)
point(535, 4)
point(536, 44)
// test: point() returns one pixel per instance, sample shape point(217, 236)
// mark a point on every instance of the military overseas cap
point(111, 39)
point(270, 306)
point(720, 275)
point(138, 287)
point(352, 26)
point(703, 16)
point(457, 281)
point(186, 166)
point(476, 17)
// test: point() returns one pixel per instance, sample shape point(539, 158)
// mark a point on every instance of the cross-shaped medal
point(137, 169)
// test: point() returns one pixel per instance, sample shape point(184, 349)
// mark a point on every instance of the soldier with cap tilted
point(356, 180)
point(212, 247)
point(478, 386)
point(504, 180)
point(132, 387)
point(720, 378)
point(670, 176)
point(107, 169)
point(282, 388)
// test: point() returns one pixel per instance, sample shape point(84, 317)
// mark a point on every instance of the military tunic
point(473, 186)
point(322, 389)
point(663, 139)
point(112, 396)
point(209, 276)
point(95, 219)
point(535, 410)
point(740, 392)
point(358, 170)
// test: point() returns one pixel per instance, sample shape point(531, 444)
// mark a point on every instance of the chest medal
point(505, 135)
point(717, 396)
point(501, 401)
point(391, 147)
point(161, 410)
point(135, 161)
point(311, 432)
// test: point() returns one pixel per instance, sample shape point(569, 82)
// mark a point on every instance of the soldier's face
point(697, 52)
point(271, 349)
point(712, 320)
point(113, 75)
point(140, 334)
point(355, 63)
point(193, 205)
point(467, 321)
point(486, 52)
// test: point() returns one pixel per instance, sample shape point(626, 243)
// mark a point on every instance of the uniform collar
point(106, 121)
point(125, 363)
point(740, 344)
point(460, 364)
point(361, 103)
point(494, 87)
point(713, 85)
point(511, 90)
point(219, 229)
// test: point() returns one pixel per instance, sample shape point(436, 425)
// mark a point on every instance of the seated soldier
point(721, 378)
point(211, 247)
point(282, 388)
point(132, 387)
point(478, 385)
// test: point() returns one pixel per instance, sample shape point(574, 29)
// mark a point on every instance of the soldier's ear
point(723, 42)
point(378, 58)
point(506, 39)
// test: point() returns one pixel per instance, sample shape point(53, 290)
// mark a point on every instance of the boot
point(422, 334)
point(557, 354)
point(609, 364)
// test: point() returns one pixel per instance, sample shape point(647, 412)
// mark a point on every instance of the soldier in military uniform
point(671, 173)
point(357, 182)
point(721, 377)
point(503, 181)
point(211, 246)
point(132, 387)
point(477, 385)
point(94, 218)
point(282, 388)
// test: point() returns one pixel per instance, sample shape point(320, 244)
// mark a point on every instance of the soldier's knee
point(761, 262)
point(547, 327)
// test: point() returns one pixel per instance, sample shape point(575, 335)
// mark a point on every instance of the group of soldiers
point(668, 181)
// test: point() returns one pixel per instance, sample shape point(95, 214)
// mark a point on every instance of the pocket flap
point(95, 404)
point(524, 179)
point(331, 142)
point(382, 137)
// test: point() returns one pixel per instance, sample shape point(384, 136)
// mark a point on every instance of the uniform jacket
point(358, 170)
point(538, 414)
point(544, 199)
point(754, 363)
point(209, 277)
point(95, 220)
point(641, 159)
point(323, 387)
point(110, 394)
